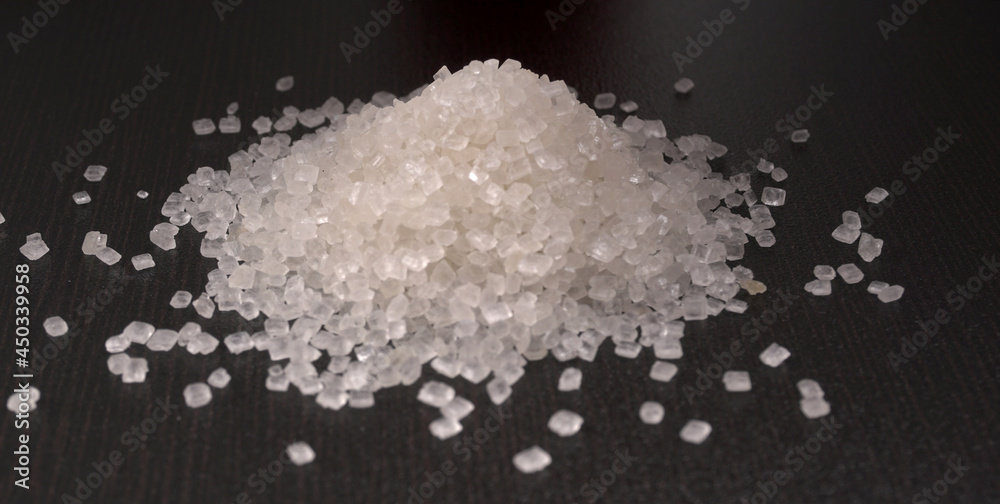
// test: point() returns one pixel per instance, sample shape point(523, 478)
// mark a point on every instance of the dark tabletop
point(914, 417)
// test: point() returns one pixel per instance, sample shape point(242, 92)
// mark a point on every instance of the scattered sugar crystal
point(668, 349)
point(285, 123)
point(819, 287)
point(876, 195)
point(458, 408)
point(604, 101)
point(238, 342)
point(779, 174)
point(360, 399)
point(890, 294)
point(736, 381)
point(695, 431)
point(81, 198)
point(197, 395)
point(143, 261)
point(629, 106)
point(138, 332)
point(869, 247)
point(163, 234)
point(162, 340)
point(498, 390)
point(876, 286)
point(772, 196)
point(300, 453)
point(219, 378)
point(651, 412)
point(824, 272)
point(445, 427)
point(850, 273)
point(684, 85)
point(851, 219)
point(117, 363)
point(765, 238)
point(800, 136)
point(203, 126)
point(142, 194)
point(285, 83)
point(55, 326)
point(662, 371)
point(109, 256)
point(845, 234)
point(116, 344)
point(262, 125)
point(774, 355)
point(435, 393)
point(628, 349)
point(204, 306)
point(570, 379)
point(135, 371)
point(565, 423)
point(809, 388)
point(17, 399)
point(311, 118)
point(532, 460)
point(765, 166)
point(181, 299)
point(34, 248)
point(232, 108)
point(94, 173)
point(332, 399)
point(736, 305)
point(814, 407)
point(230, 124)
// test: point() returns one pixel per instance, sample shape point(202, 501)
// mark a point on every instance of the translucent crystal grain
point(774, 355)
point(565, 423)
point(55, 326)
point(651, 412)
point(197, 395)
point(696, 431)
point(532, 460)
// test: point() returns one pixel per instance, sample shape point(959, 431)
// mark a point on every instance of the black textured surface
point(900, 429)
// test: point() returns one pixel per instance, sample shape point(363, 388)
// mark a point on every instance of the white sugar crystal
point(108, 255)
point(498, 390)
point(458, 408)
point(219, 378)
point(851, 219)
point(332, 399)
point(628, 349)
point(532, 460)
point(262, 125)
point(765, 166)
point(285, 83)
point(890, 294)
point(181, 299)
point(285, 123)
point(736, 381)
point(736, 306)
point(809, 388)
point(360, 399)
point(232, 108)
point(876, 195)
point(55, 326)
point(138, 332)
point(135, 371)
point(118, 363)
point(81, 198)
point(845, 234)
point(34, 248)
point(668, 349)
point(695, 431)
point(869, 247)
point(17, 403)
point(651, 412)
point(444, 427)
point(663, 371)
point(850, 273)
point(570, 379)
point(814, 407)
point(604, 101)
point(819, 287)
point(774, 355)
point(197, 395)
point(229, 124)
point(565, 423)
point(765, 238)
point(163, 234)
point(435, 393)
point(684, 85)
point(143, 261)
point(142, 194)
point(772, 196)
point(824, 272)
point(238, 342)
point(2, 218)
point(300, 453)
point(629, 106)
point(162, 340)
point(116, 344)
point(204, 306)
point(876, 286)
point(779, 174)
point(800, 135)
point(94, 173)
point(203, 126)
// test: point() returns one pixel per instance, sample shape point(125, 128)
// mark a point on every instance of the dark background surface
point(900, 428)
